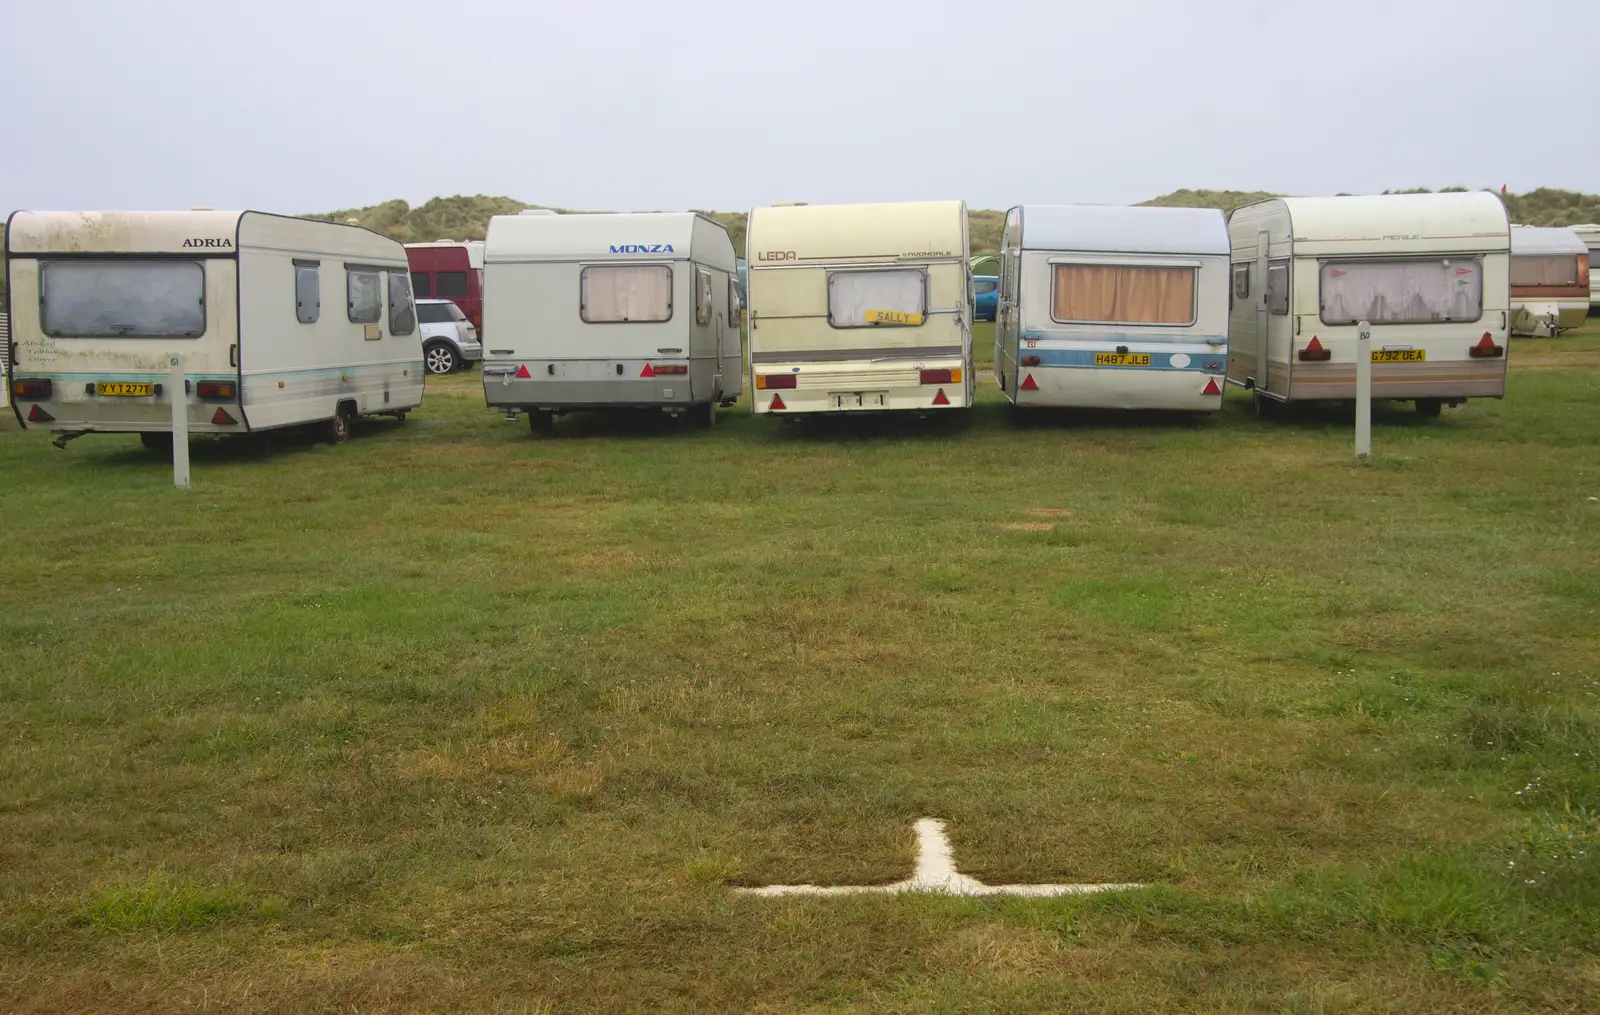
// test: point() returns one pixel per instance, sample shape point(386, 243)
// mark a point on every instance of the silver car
point(449, 341)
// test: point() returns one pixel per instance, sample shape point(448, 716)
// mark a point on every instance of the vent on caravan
point(202, 207)
point(790, 204)
point(536, 211)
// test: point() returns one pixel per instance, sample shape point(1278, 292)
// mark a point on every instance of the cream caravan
point(1590, 235)
point(1429, 272)
point(860, 307)
point(631, 311)
point(1113, 308)
point(249, 300)
point(1549, 280)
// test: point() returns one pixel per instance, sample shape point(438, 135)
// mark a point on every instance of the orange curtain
point(1116, 294)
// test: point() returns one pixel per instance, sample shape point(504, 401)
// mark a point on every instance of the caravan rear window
point(1123, 294)
point(122, 299)
point(1421, 291)
point(625, 294)
point(890, 296)
point(1554, 270)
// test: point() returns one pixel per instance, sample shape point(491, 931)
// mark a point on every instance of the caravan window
point(984, 286)
point(735, 301)
point(1278, 288)
point(1402, 292)
point(307, 293)
point(1123, 294)
point(122, 299)
point(364, 290)
point(1556, 270)
point(625, 293)
point(419, 285)
point(1241, 281)
point(702, 296)
point(452, 285)
point(890, 296)
point(402, 312)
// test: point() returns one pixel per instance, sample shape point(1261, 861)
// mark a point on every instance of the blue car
point(986, 291)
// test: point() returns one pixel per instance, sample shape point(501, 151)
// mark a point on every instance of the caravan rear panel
point(1119, 308)
point(1550, 277)
point(859, 307)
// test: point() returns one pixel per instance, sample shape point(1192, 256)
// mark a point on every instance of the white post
point(1363, 390)
point(180, 422)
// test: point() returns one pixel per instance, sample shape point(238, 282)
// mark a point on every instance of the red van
point(449, 270)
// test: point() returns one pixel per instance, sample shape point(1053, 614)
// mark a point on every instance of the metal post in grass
point(1363, 390)
point(180, 421)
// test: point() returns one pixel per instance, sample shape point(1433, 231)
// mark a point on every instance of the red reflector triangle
point(1211, 387)
point(939, 399)
point(221, 418)
point(777, 402)
point(38, 415)
point(1313, 345)
point(1486, 342)
point(1028, 385)
point(522, 372)
point(647, 371)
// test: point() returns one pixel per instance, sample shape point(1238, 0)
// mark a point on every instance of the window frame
point(47, 263)
point(705, 299)
point(438, 286)
point(416, 290)
point(401, 278)
point(1242, 270)
point(1324, 264)
point(672, 300)
point(1280, 264)
point(1192, 266)
point(301, 267)
point(352, 270)
point(920, 269)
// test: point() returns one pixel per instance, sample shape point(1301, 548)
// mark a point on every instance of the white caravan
point(1429, 272)
point(1589, 233)
point(1113, 308)
point(1549, 280)
point(860, 307)
point(630, 311)
point(101, 300)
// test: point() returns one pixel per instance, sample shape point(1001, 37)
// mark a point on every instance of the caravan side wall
point(298, 371)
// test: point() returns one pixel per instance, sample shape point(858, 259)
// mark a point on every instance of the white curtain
point(853, 294)
point(626, 293)
point(123, 299)
point(1402, 292)
point(366, 296)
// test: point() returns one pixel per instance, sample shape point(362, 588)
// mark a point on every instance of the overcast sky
point(311, 105)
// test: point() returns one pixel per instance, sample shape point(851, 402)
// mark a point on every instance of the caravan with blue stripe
point(1113, 308)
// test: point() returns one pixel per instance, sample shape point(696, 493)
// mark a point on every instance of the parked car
point(449, 341)
point(986, 293)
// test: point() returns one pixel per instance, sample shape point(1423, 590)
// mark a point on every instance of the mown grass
point(453, 718)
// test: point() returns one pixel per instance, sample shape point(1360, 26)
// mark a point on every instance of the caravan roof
point(1546, 240)
point(177, 232)
point(911, 230)
point(1124, 230)
point(662, 236)
point(1476, 219)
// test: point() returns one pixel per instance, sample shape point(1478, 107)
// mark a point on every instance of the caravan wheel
point(1429, 408)
point(541, 421)
point(711, 413)
point(161, 443)
point(1264, 407)
point(337, 429)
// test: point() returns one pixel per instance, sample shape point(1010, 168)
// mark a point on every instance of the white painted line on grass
point(936, 873)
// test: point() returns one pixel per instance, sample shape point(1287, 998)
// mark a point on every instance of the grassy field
point(454, 718)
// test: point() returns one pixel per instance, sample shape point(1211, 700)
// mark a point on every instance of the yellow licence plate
point(902, 317)
point(123, 388)
point(1121, 359)
point(1399, 355)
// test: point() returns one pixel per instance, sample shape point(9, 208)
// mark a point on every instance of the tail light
point(1030, 361)
point(32, 387)
point(1314, 352)
point(38, 415)
point(767, 382)
point(941, 376)
point(226, 390)
point(461, 330)
point(1583, 269)
point(1485, 349)
point(670, 368)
